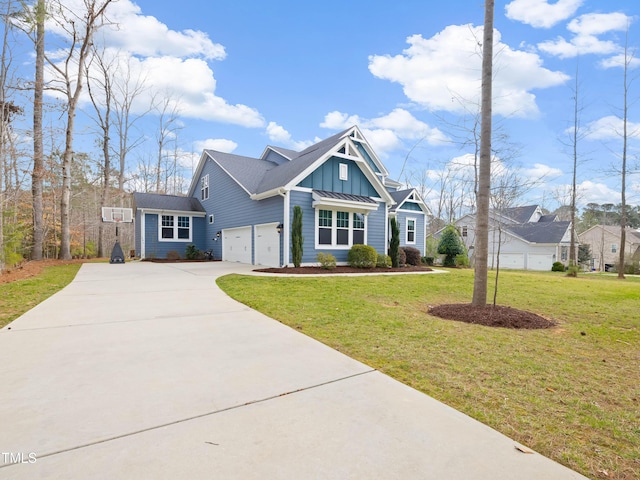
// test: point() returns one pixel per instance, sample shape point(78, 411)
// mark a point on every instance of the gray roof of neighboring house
point(548, 218)
point(344, 196)
point(157, 201)
point(519, 214)
point(540, 232)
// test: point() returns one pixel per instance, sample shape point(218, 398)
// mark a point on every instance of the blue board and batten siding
point(327, 177)
point(231, 207)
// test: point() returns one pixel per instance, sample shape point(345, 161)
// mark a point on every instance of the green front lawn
point(572, 392)
point(20, 296)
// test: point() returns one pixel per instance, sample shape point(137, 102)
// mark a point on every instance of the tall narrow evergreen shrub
point(395, 243)
point(296, 236)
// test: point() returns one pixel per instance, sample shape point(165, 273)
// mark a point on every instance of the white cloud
point(171, 65)
point(217, 144)
point(541, 13)
point(618, 61)
point(540, 171)
point(586, 29)
point(442, 73)
point(591, 192)
point(146, 36)
point(611, 128)
point(386, 133)
point(282, 138)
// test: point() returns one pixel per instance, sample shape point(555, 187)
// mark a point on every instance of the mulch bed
point(342, 269)
point(491, 316)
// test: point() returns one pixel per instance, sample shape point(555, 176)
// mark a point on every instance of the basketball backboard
point(117, 215)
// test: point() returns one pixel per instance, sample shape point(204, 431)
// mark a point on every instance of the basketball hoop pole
point(117, 215)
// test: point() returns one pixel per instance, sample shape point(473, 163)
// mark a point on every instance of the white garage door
point(236, 245)
point(539, 261)
point(512, 260)
point(267, 245)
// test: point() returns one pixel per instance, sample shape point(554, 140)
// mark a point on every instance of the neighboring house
point(526, 238)
point(604, 242)
point(242, 207)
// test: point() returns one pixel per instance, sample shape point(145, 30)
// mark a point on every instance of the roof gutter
point(269, 193)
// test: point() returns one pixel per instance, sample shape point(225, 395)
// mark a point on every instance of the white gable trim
point(358, 159)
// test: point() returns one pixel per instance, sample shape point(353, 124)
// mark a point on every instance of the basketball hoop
point(117, 215)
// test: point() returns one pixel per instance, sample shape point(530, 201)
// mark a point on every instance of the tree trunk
point(625, 133)
point(484, 175)
point(38, 148)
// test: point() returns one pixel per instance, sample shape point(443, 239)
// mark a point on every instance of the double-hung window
point(175, 228)
point(324, 227)
point(204, 187)
point(339, 229)
point(342, 228)
point(411, 230)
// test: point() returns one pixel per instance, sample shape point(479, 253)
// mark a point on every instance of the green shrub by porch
point(362, 256)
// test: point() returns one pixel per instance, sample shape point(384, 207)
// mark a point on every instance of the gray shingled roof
point(247, 171)
point(519, 214)
point(540, 232)
point(548, 218)
point(345, 196)
point(283, 174)
point(399, 196)
point(156, 201)
point(285, 152)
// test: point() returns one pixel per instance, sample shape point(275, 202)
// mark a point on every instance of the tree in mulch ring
point(491, 316)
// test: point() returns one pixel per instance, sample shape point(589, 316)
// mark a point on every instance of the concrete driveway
point(149, 371)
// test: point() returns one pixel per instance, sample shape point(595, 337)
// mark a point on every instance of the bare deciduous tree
point(80, 28)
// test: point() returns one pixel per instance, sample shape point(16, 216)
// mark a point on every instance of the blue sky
point(245, 74)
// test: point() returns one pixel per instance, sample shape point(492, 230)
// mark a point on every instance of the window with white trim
point(324, 227)
point(175, 228)
point(464, 231)
point(614, 247)
point(339, 229)
point(342, 228)
point(204, 187)
point(358, 228)
point(411, 230)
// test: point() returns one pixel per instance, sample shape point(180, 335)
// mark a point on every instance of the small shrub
point(557, 267)
point(394, 249)
point(450, 245)
point(191, 252)
point(412, 256)
point(326, 260)
point(402, 257)
point(362, 256)
point(462, 260)
point(384, 261)
point(173, 255)
point(572, 269)
point(427, 261)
